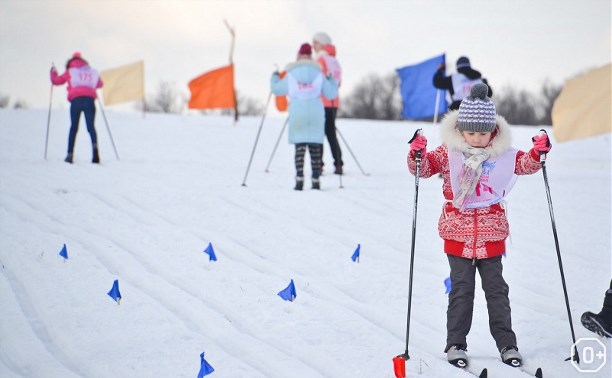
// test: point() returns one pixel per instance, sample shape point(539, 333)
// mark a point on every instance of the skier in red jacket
point(479, 168)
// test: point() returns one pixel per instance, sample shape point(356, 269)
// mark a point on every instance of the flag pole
point(435, 120)
point(231, 60)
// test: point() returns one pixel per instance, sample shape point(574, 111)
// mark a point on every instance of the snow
point(145, 220)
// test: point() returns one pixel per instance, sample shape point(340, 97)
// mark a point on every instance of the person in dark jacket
point(460, 83)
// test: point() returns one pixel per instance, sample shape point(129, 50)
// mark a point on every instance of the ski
point(537, 374)
point(483, 374)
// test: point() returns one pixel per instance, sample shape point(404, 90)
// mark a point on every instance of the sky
point(146, 218)
point(521, 43)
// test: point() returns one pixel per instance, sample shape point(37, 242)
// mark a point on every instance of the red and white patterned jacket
point(472, 233)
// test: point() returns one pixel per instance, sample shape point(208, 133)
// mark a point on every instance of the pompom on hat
point(477, 112)
point(322, 38)
point(305, 49)
point(76, 54)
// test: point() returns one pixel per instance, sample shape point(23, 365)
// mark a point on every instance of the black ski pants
point(86, 106)
point(461, 300)
point(332, 138)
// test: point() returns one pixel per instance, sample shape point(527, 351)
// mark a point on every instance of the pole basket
point(399, 366)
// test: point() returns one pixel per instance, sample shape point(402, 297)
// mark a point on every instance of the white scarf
point(470, 172)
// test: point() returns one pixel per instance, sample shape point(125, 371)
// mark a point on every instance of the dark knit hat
point(305, 49)
point(477, 111)
point(463, 62)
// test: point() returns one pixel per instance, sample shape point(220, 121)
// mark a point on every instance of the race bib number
point(84, 77)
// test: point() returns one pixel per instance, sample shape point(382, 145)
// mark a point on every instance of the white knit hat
point(477, 112)
point(322, 38)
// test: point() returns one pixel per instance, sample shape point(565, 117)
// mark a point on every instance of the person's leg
point(76, 107)
point(315, 150)
point(498, 304)
point(460, 301)
point(300, 151)
point(600, 323)
point(89, 109)
point(332, 138)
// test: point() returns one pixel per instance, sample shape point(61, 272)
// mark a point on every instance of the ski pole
point(256, 139)
point(575, 357)
point(276, 145)
point(417, 159)
point(108, 128)
point(351, 151)
point(49, 117)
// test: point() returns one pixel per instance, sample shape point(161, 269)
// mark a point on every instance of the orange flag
point(213, 90)
point(281, 101)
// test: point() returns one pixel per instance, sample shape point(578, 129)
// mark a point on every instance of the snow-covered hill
point(145, 220)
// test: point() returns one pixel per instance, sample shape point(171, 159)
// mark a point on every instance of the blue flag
point(288, 293)
point(355, 256)
point(449, 285)
point(205, 367)
point(114, 292)
point(210, 251)
point(64, 252)
point(417, 90)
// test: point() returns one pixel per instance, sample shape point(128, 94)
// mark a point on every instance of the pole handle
point(418, 153)
point(542, 154)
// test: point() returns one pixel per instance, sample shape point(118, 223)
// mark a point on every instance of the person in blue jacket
point(304, 84)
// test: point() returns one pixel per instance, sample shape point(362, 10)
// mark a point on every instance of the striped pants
point(316, 150)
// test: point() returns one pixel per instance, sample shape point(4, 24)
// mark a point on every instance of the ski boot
point(456, 355)
point(96, 156)
point(316, 184)
point(596, 323)
point(299, 183)
point(511, 356)
point(68, 158)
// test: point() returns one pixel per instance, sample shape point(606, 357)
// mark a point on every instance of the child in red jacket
point(479, 167)
point(82, 84)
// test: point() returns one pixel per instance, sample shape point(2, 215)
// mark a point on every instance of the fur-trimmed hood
point(451, 137)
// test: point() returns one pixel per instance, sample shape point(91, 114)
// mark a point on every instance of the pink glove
point(418, 142)
point(541, 143)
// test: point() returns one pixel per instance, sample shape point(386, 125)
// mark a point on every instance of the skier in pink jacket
point(82, 81)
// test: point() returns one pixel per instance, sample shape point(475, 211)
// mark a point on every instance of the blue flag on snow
point(355, 256)
point(210, 251)
point(64, 252)
point(449, 285)
point(288, 293)
point(417, 90)
point(205, 367)
point(114, 292)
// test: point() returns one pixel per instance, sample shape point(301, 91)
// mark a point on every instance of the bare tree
point(166, 100)
point(549, 93)
point(517, 106)
point(373, 98)
point(20, 104)
point(4, 101)
point(249, 105)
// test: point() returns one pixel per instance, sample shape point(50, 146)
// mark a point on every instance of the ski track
point(151, 275)
point(153, 271)
point(38, 325)
point(173, 293)
point(112, 267)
